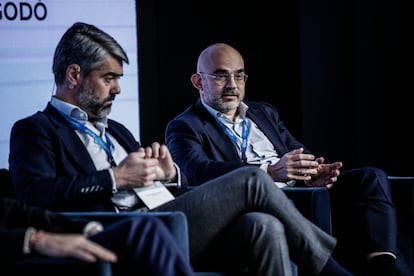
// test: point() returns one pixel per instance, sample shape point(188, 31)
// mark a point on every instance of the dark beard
point(99, 109)
point(95, 108)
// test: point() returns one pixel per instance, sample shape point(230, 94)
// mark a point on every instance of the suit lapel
point(74, 146)
point(124, 138)
point(265, 124)
point(221, 142)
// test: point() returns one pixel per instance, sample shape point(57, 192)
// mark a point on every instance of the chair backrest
point(53, 267)
point(6, 185)
point(403, 197)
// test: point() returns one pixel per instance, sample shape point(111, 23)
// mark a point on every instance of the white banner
point(29, 33)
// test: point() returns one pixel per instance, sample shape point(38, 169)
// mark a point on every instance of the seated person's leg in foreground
point(364, 221)
point(146, 247)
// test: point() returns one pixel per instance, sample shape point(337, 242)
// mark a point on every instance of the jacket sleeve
point(16, 218)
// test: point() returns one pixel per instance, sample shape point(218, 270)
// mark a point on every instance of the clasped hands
point(296, 165)
point(144, 166)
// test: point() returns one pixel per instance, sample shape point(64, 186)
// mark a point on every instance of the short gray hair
point(87, 46)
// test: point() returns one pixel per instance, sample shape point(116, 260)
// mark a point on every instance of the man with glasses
point(222, 132)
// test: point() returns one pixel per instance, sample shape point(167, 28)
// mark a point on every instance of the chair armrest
point(176, 223)
point(403, 197)
point(313, 203)
point(53, 266)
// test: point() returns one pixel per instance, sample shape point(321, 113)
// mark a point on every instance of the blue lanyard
point(245, 133)
point(107, 147)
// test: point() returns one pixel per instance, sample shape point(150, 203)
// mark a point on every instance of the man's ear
point(196, 81)
point(73, 74)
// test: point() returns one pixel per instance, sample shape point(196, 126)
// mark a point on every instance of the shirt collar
point(73, 111)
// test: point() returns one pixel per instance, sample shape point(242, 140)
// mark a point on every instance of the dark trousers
point(363, 216)
point(144, 247)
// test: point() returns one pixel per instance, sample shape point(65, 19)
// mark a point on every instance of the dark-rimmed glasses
point(222, 79)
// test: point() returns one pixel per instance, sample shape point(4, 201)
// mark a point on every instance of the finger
point(309, 171)
point(308, 164)
point(148, 152)
point(105, 254)
point(147, 183)
point(100, 251)
point(295, 151)
point(155, 149)
point(140, 153)
point(84, 256)
point(307, 157)
point(155, 145)
point(337, 165)
point(93, 252)
point(109, 257)
point(320, 160)
point(297, 176)
point(164, 151)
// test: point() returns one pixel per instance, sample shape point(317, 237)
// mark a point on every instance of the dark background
point(333, 69)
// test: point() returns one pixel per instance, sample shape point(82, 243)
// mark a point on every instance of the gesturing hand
point(294, 165)
point(327, 174)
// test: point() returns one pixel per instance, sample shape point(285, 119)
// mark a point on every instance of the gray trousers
point(242, 221)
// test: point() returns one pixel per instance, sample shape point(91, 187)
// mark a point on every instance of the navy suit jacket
point(51, 167)
point(198, 143)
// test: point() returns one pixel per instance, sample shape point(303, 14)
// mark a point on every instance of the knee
point(142, 224)
point(250, 171)
point(373, 180)
point(378, 177)
point(262, 224)
point(253, 175)
point(375, 172)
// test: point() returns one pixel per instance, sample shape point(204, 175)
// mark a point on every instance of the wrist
point(35, 238)
point(26, 242)
point(308, 183)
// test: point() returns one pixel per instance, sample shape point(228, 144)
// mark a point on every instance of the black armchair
point(403, 197)
point(313, 203)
